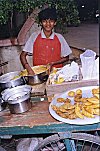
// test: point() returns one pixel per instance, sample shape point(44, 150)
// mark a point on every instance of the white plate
point(86, 92)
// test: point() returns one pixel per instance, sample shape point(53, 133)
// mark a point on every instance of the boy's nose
point(48, 21)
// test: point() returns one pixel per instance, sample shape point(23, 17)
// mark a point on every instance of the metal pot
point(37, 78)
point(2, 104)
point(10, 80)
point(41, 74)
point(20, 106)
point(18, 98)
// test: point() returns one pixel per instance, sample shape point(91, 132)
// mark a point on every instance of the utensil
point(37, 78)
point(18, 98)
point(86, 92)
point(2, 104)
point(10, 80)
point(20, 105)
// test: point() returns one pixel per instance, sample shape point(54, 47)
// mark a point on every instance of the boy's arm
point(25, 64)
point(61, 61)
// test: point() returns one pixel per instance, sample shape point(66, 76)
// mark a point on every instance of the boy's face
point(48, 24)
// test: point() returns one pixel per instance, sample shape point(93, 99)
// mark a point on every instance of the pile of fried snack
point(82, 106)
point(36, 69)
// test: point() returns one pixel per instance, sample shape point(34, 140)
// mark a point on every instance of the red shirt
point(46, 51)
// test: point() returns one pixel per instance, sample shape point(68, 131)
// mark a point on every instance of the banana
point(97, 96)
point(87, 114)
point(93, 100)
point(77, 111)
point(97, 111)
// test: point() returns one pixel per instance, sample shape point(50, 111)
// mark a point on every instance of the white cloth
point(65, 49)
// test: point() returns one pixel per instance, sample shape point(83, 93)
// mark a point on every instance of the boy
point(46, 46)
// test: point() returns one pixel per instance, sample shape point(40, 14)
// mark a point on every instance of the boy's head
point(48, 13)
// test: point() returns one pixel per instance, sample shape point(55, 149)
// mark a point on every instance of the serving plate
point(86, 92)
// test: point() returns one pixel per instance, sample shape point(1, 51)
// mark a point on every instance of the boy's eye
point(49, 20)
point(43, 20)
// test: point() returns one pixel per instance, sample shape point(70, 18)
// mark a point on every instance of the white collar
point(43, 35)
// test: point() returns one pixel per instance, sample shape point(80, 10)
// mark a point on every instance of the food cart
point(39, 120)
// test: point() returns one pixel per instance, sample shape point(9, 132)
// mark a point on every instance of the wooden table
point(37, 121)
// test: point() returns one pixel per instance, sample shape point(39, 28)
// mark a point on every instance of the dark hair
point(48, 13)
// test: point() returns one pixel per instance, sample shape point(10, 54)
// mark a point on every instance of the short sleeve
point(65, 49)
point(29, 44)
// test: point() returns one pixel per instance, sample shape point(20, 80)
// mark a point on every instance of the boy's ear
point(41, 23)
point(55, 23)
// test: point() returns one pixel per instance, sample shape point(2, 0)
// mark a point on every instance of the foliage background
point(66, 9)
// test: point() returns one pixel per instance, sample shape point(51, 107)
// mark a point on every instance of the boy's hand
point(30, 72)
point(49, 66)
point(29, 69)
